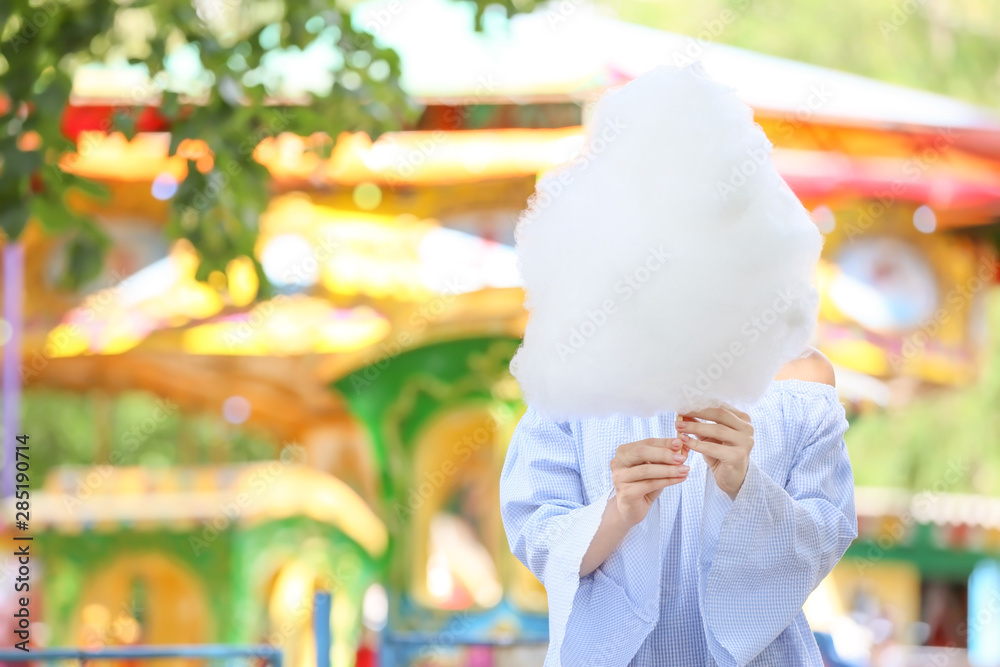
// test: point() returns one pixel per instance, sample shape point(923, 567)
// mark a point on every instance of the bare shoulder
point(811, 367)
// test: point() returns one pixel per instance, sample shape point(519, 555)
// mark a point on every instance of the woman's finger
point(670, 443)
point(724, 416)
point(644, 487)
point(642, 453)
point(703, 430)
point(650, 471)
point(717, 451)
point(739, 413)
point(655, 442)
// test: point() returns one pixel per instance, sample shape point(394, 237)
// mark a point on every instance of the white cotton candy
point(667, 267)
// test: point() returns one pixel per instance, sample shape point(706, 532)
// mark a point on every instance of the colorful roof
point(359, 261)
point(576, 48)
point(956, 521)
point(819, 164)
point(108, 498)
point(929, 507)
point(571, 50)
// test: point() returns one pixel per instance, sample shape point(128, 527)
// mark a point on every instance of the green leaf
point(85, 258)
point(13, 220)
point(218, 213)
point(52, 214)
point(88, 187)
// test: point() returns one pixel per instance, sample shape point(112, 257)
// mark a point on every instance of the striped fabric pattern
point(703, 579)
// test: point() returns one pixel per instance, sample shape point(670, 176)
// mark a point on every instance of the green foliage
point(133, 428)
point(42, 45)
point(947, 46)
point(511, 7)
point(946, 442)
point(238, 101)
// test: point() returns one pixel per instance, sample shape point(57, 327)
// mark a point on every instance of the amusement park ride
point(385, 353)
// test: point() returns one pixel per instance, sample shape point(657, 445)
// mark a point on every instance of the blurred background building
point(219, 437)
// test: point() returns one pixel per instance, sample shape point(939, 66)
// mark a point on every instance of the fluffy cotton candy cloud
point(668, 266)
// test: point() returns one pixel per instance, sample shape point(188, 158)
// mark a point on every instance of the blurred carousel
point(383, 356)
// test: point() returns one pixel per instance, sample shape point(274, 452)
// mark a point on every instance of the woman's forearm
point(609, 535)
point(640, 471)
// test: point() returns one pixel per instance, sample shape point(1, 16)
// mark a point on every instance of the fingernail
point(684, 469)
point(677, 442)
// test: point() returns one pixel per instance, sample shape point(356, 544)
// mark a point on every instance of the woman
point(651, 557)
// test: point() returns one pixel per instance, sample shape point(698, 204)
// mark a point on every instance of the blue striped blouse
point(703, 579)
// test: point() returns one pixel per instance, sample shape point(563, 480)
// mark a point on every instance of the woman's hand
point(641, 470)
point(725, 439)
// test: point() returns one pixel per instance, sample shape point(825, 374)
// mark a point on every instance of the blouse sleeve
point(775, 542)
point(550, 523)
